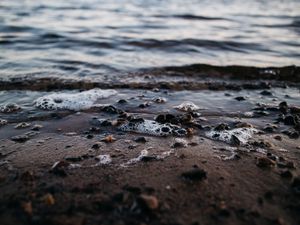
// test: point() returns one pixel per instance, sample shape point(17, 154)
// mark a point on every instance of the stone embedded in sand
point(9, 108)
point(49, 199)
point(240, 135)
point(180, 143)
point(151, 127)
point(194, 174)
point(140, 140)
point(187, 107)
point(149, 201)
point(37, 127)
point(108, 139)
point(24, 137)
point(160, 100)
point(72, 101)
point(265, 162)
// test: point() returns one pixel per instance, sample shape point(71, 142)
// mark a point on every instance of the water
point(97, 38)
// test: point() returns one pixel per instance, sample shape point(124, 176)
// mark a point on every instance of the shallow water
point(96, 38)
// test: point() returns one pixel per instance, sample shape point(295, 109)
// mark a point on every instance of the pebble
point(265, 162)
point(49, 199)
point(195, 174)
point(149, 201)
point(140, 140)
point(109, 139)
point(240, 98)
point(10, 108)
point(36, 127)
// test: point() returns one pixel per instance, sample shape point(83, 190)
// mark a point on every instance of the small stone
point(278, 137)
point(122, 101)
point(149, 201)
point(265, 162)
point(240, 98)
point(49, 199)
point(265, 92)
point(195, 174)
point(20, 138)
point(59, 168)
point(37, 127)
point(27, 207)
point(140, 140)
point(108, 139)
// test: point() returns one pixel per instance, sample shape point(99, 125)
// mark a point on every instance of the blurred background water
point(87, 38)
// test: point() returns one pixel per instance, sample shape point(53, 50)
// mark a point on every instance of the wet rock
point(22, 125)
point(20, 138)
point(89, 136)
point(59, 168)
point(150, 202)
point(286, 174)
point(195, 174)
point(180, 143)
point(160, 100)
point(108, 139)
point(283, 107)
point(221, 127)
point(9, 108)
point(140, 140)
point(166, 118)
point(49, 199)
point(240, 98)
point(242, 125)
point(144, 105)
point(291, 133)
point(265, 92)
point(122, 101)
point(234, 140)
point(269, 129)
point(265, 162)
point(37, 127)
point(290, 120)
point(111, 109)
point(96, 146)
point(286, 164)
point(148, 158)
point(278, 137)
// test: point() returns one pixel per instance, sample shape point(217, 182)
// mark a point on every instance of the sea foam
point(72, 101)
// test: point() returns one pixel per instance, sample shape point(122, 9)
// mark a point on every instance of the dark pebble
point(195, 174)
point(268, 93)
point(286, 174)
point(240, 98)
point(140, 140)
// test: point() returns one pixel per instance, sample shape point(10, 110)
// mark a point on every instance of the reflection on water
point(94, 37)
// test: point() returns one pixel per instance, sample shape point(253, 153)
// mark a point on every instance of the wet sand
point(66, 167)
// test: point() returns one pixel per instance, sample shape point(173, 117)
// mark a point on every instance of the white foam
point(142, 154)
point(187, 107)
point(74, 101)
point(243, 134)
point(3, 122)
point(153, 128)
point(103, 159)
